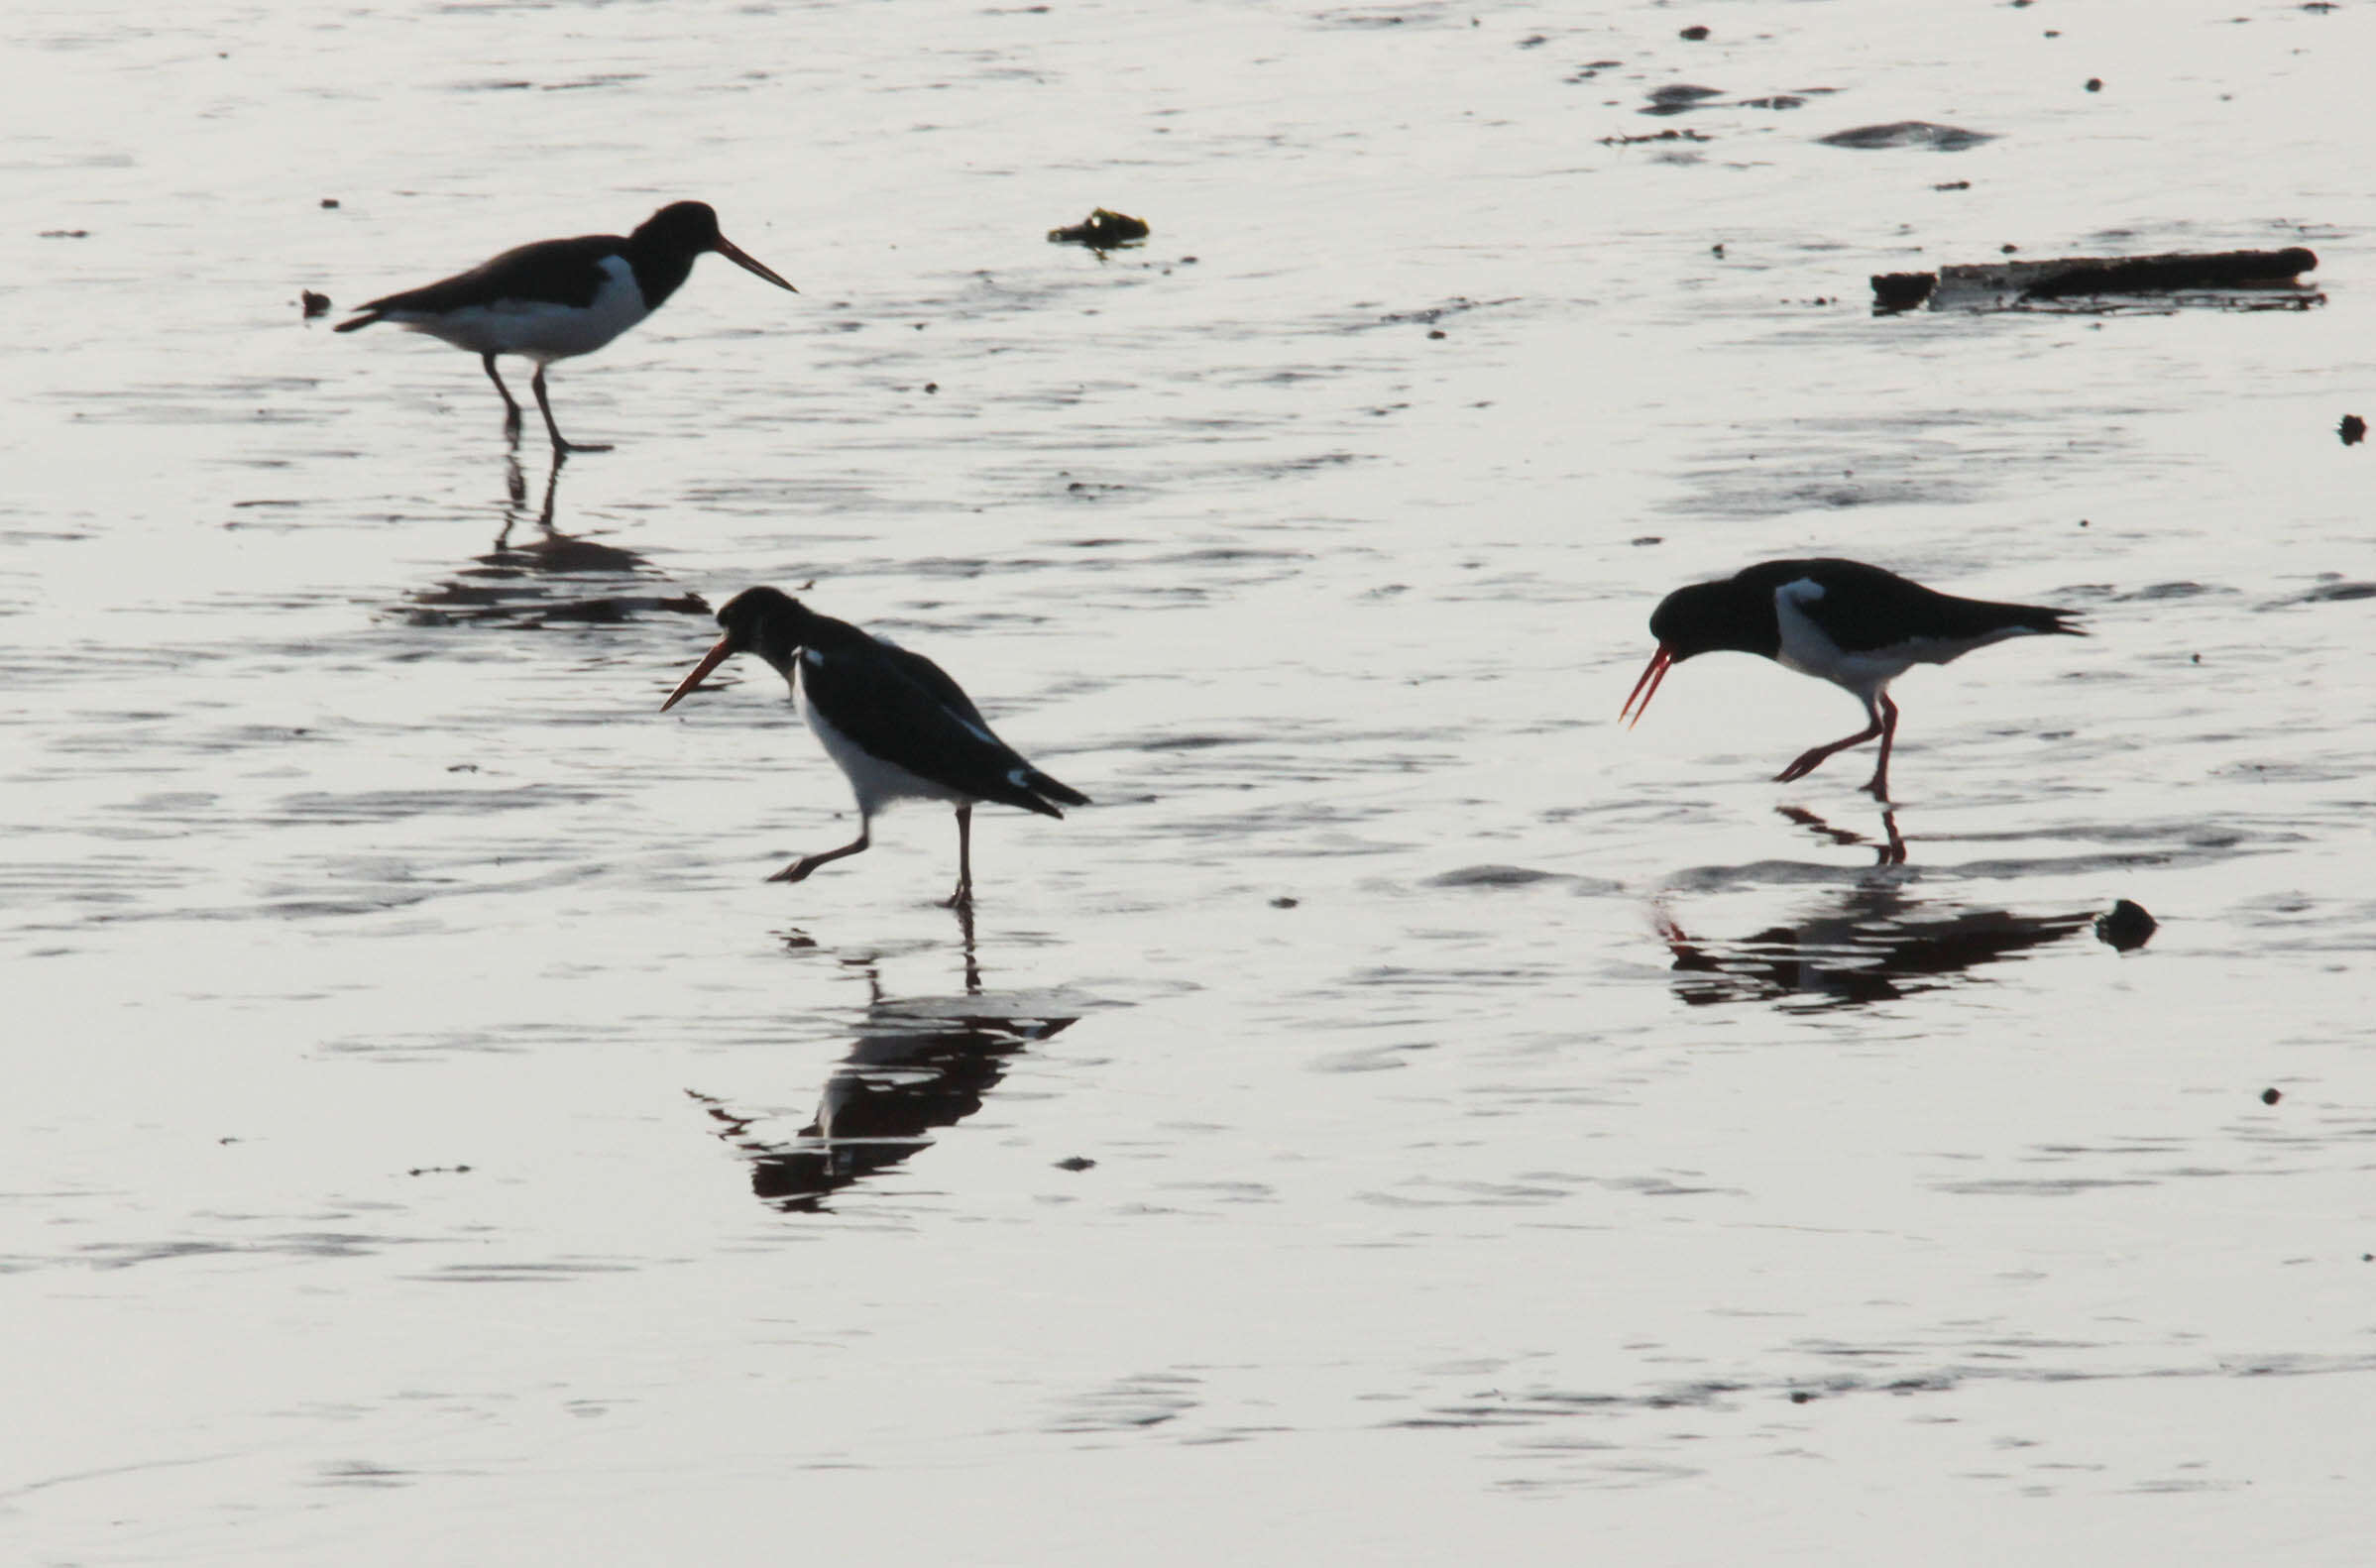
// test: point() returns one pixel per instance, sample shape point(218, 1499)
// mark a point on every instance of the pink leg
point(1809, 761)
point(1880, 784)
point(799, 869)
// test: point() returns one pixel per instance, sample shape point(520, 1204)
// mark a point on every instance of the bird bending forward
point(1855, 625)
point(892, 721)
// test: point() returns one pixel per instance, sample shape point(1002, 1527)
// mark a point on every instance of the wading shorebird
point(1855, 625)
point(558, 298)
point(893, 722)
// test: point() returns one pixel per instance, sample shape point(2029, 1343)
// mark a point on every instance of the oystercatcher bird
point(1855, 625)
point(557, 298)
point(893, 722)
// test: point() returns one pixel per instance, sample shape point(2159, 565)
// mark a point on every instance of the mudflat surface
point(1409, 1114)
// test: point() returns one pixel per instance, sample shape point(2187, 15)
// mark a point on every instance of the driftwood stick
point(2100, 274)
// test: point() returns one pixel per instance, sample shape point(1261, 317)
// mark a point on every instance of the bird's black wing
point(903, 707)
point(564, 272)
point(1864, 607)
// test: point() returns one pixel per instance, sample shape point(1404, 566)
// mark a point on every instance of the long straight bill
point(1638, 702)
point(748, 263)
point(709, 661)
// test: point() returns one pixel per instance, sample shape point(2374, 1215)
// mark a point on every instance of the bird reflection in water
point(1871, 943)
point(1891, 851)
point(917, 1065)
point(550, 579)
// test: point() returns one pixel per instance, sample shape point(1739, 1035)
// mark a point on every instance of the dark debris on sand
point(2126, 927)
point(1102, 230)
point(2239, 277)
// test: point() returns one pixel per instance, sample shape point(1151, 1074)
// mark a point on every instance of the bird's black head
point(1707, 618)
point(761, 621)
point(768, 623)
point(1703, 618)
point(673, 236)
point(688, 226)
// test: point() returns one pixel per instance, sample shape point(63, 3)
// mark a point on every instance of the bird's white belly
point(877, 783)
point(538, 329)
point(1810, 653)
point(1861, 673)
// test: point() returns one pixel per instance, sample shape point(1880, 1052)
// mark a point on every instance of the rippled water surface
point(1409, 1115)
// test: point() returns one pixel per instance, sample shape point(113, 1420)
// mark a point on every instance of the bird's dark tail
point(1039, 783)
point(364, 320)
point(1981, 618)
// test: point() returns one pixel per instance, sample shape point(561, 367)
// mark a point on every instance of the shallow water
point(1409, 1113)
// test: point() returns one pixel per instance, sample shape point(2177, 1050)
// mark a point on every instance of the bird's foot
point(1803, 767)
point(564, 448)
point(798, 870)
point(962, 898)
point(1877, 787)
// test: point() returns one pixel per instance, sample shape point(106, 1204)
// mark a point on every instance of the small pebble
point(1695, 34)
point(1076, 1162)
point(1285, 903)
point(329, 201)
point(2126, 928)
point(2094, 84)
point(2270, 1096)
point(315, 305)
point(2354, 429)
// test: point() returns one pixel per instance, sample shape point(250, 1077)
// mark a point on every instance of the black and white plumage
point(893, 722)
point(557, 298)
point(1855, 625)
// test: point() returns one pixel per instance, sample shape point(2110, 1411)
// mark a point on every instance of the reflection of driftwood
point(1907, 133)
point(2019, 282)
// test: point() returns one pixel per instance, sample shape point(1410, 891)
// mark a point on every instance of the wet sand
point(1410, 1113)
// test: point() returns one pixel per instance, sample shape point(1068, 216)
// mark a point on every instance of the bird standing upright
point(893, 722)
point(557, 298)
point(1855, 625)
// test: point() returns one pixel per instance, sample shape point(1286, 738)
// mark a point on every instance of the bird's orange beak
point(1643, 689)
point(709, 661)
point(741, 258)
